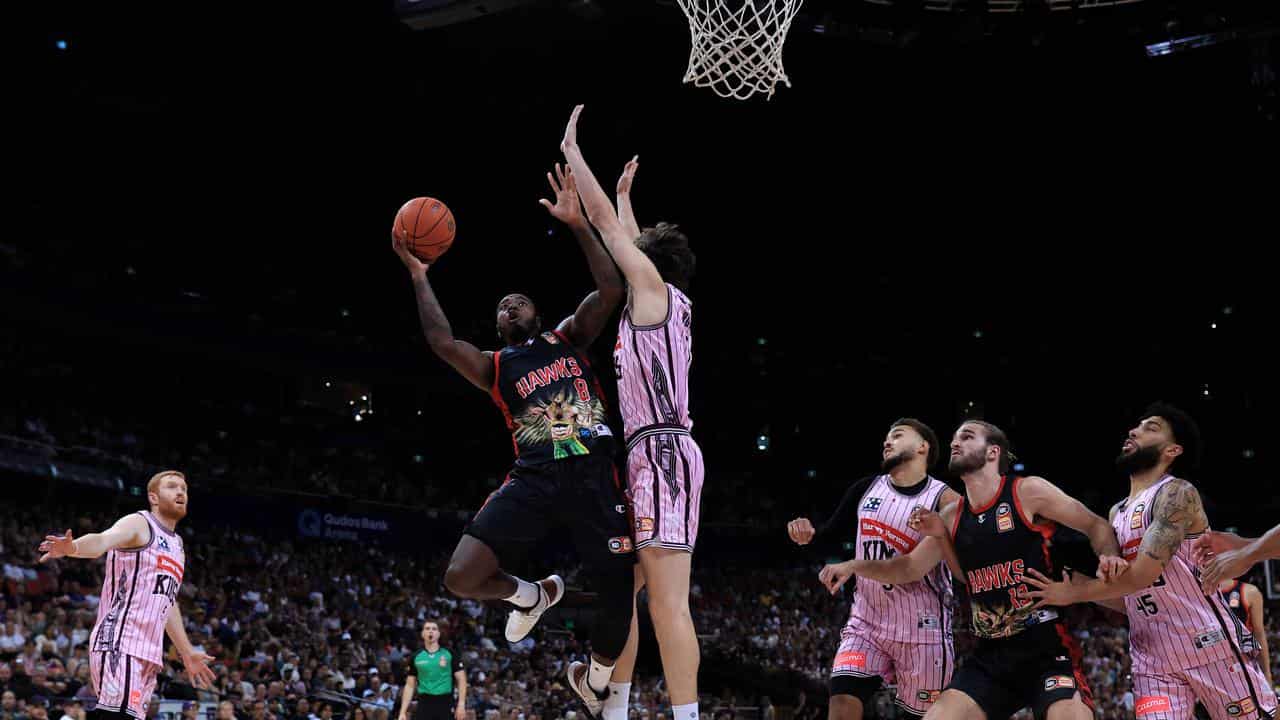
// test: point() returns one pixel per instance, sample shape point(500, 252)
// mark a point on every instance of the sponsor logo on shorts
point(135, 698)
point(853, 658)
point(1059, 681)
point(620, 545)
point(872, 504)
point(1152, 704)
point(1241, 707)
point(620, 509)
point(1135, 519)
point(928, 695)
point(1004, 518)
point(644, 524)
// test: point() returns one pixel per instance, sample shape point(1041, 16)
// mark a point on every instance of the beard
point(1144, 458)
point(894, 461)
point(519, 333)
point(966, 463)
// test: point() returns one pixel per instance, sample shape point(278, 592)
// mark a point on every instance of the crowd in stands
point(308, 630)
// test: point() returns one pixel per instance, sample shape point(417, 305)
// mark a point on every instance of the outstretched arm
point(475, 366)
point(584, 326)
point(648, 291)
point(896, 570)
point(843, 523)
point(129, 531)
point(1177, 511)
point(626, 214)
point(1234, 562)
point(1038, 496)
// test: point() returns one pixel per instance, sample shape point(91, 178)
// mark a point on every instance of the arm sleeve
point(842, 526)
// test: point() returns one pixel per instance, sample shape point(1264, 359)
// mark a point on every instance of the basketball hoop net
point(738, 53)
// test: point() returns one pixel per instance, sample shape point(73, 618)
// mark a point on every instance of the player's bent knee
point(458, 581)
point(954, 705)
point(844, 707)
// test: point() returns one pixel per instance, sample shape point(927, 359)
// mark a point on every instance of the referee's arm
point(406, 697)
point(460, 680)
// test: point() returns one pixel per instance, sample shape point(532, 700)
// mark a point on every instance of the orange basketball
point(428, 226)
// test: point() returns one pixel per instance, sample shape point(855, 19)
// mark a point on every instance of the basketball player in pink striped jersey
point(1185, 645)
point(897, 634)
point(664, 464)
point(145, 562)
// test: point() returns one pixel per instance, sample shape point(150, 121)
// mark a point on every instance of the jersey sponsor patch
point(1241, 707)
point(1004, 518)
point(892, 536)
point(1135, 519)
point(872, 504)
point(644, 524)
point(444, 662)
point(853, 658)
point(620, 545)
point(927, 621)
point(1207, 639)
point(928, 696)
point(1059, 681)
point(1152, 704)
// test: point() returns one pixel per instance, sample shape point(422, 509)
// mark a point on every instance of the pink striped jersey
point(652, 364)
point(916, 612)
point(1172, 624)
point(141, 585)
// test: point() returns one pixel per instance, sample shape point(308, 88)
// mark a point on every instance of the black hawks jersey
point(996, 545)
point(551, 400)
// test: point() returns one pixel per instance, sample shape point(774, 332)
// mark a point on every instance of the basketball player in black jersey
point(564, 473)
point(996, 533)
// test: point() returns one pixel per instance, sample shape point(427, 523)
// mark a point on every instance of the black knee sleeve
point(614, 585)
point(862, 688)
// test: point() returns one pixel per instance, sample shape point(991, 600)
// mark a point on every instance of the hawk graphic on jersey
point(998, 621)
point(560, 420)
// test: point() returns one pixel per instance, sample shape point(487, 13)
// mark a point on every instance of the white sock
point(526, 596)
point(598, 676)
point(685, 712)
point(615, 706)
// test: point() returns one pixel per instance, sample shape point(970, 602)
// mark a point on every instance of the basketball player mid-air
point(564, 474)
point(652, 358)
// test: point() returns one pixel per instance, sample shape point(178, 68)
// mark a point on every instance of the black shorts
point(434, 707)
point(581, 494)
point(1035, 669)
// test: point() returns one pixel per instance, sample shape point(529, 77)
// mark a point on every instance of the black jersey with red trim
point(551, 400)
point(996, 545)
